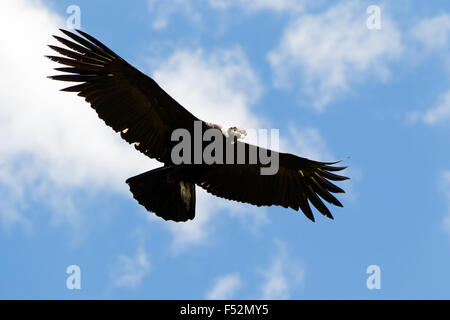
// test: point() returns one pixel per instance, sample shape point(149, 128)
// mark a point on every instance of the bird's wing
point(298, 182)
point(126, 99)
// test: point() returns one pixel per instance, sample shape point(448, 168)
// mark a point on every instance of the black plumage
point(136, 106)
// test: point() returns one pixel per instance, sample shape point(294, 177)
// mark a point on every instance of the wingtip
point(344, 159)
point(338, 161)
point(309, 215)
point(51, 57)
point(57, 37)
point(66, 32)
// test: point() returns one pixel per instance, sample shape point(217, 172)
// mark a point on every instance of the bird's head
point(236, 133)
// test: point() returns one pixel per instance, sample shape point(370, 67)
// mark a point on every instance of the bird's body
point(134, 105)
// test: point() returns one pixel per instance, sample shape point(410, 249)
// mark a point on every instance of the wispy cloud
point(433, 33)
point(439, 114)
point(130, 271)
point(433, 36)
point(309, 143)
point(332, 50)
point(430, 39)
point(282, 276)
point(164, 10)
point(225, 287)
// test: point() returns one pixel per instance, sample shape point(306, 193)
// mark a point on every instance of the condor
point(134, 105)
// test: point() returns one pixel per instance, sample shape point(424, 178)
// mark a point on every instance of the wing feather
point(122, 96)
point(298, 183)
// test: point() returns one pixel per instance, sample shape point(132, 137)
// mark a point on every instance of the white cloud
point(332, 50)
point(130, 271)
point(309, 144)
point(53, 142)
point(163, 10)
point(438, 114)
point(282, 275)
point(217, 87)
point(11, 195)
point(431, 39)
point(433, 33)
point(225, 287)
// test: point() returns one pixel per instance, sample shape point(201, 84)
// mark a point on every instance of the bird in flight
point(135, 106)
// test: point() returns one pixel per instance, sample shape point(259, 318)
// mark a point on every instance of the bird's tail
point(159, 192)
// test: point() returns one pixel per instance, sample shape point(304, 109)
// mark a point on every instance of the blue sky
point(312, 69)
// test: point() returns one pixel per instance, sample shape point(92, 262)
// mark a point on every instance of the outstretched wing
point(126, 99)
point(298, 182)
